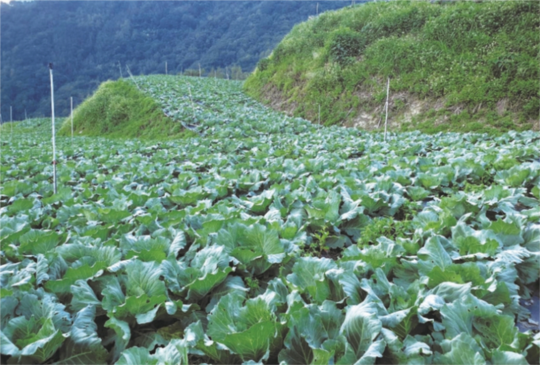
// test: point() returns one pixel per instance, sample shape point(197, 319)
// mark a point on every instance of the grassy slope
point(119, 109)
point(462, 66)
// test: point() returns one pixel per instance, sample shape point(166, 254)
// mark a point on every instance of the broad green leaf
point(435, 254)
point(73, 274)
point(309, 275)
point(7, 347)
point(457, 317)
point(498, 330)
point(73, 354)
point(83, 295)
point(39, 242)
point(310, 326)
point(361, 327)
point(462, 349)
point(137, 356)
point(509, 233)
point(36, 340)
point(20, 205)
point(499, 357)
point(122, 337)
point(248, 331)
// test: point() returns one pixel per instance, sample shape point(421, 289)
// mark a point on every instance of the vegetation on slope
point(119, 109)
point(459, 66)
point(87, 40)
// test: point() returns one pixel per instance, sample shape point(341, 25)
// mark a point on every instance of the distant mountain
point(88, 40)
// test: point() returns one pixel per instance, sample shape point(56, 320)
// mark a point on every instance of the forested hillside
point(87, 40)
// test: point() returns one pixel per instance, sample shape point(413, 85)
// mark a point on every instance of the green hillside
point(458, 66)
point(119, 109)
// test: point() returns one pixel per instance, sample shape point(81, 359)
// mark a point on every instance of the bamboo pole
point(386, 107)
point(11, 120)
point(131, 76)
point(71, 102)
point(53, 129)
point(166, 71)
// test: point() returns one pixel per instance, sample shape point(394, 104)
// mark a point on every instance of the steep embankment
point(119, 109)
point(460, 66)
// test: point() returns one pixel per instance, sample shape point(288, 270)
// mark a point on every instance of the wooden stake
point(386, 107)
point(53, 129)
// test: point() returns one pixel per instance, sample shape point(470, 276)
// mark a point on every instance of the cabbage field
point(267, 239)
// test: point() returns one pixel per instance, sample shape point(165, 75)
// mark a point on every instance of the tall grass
point(118, 109)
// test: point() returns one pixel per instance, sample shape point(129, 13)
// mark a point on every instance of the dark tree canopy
point(88, 40)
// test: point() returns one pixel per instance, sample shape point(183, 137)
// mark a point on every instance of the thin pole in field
point(200, 69)
point(192, 105)
point(71, 100)
point(317, 9)
point(11, 120)
point(53, 129)
point(166, 71)
point(25, 115)
point(131, 76)
point(386, 107)
point(120, 68)
point(319, 115)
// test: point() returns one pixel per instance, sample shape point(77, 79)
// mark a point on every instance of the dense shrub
point(263, 64)
point(344, 45)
